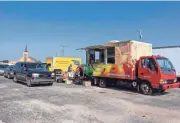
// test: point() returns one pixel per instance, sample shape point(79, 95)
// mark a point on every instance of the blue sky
point(44, 26)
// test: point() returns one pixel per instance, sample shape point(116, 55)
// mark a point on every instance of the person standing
point(70, 71)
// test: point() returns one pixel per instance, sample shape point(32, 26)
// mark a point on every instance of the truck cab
point(156, 72)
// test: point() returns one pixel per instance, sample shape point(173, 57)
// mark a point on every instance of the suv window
point(3, 66)
point(17, 66)
point(11, 67)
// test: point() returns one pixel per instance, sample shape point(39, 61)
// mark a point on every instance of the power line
point(63, 49)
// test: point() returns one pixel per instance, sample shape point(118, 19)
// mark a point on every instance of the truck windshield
point(166, 65)
point(35, 66)
point(76, 62)
point(3, 66)
point(10, 67)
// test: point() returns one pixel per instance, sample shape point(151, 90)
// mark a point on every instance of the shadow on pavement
point(133, 91)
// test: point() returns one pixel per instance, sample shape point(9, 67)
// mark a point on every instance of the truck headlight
point(1, 71)
point(52, 74)
point(175, 80)
point(163, 81)
point(35, 75)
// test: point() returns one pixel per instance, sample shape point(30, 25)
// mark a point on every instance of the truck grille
point(170, 81)
point(44, 76)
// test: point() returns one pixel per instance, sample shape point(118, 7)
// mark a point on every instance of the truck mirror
point(48, 65)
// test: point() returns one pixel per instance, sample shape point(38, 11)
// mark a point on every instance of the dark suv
point(32, 73)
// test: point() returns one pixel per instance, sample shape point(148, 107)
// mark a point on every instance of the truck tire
point(59, 80)
point(162, 91)
point(102, 83)
point(146, 88)
point(96, 81)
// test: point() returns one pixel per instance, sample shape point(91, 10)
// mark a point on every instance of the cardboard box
point(68, 82)
point(86, 83)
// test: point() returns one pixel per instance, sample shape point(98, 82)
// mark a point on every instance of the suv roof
point(27, 62)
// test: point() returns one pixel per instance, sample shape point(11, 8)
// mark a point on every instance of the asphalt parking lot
point(62, 103)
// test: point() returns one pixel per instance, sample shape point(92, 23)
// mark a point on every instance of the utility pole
point(140, 34)
point(63, 49)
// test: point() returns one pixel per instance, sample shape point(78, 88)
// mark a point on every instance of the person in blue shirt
point(70, 71)
point(70, 68)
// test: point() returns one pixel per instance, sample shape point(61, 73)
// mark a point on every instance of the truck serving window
point(111, 55)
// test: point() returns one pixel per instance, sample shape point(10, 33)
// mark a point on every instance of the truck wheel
point(28, 82)
point(95, 81)
point(146, 89)
point(59, 81)
point(162, 91)
point(102, 83)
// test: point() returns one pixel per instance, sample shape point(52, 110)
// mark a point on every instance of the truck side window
point(111, 55)
point(149, 63)
point(152, 65)
point(144, 63)
point(48, 66)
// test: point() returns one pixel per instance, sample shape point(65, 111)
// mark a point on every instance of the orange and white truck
point(129, 63)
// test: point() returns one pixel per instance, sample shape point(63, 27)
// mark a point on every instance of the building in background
point(8, 62)
point(26, 57)
point(12, 62)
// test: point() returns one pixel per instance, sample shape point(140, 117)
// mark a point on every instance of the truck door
point(148, 70)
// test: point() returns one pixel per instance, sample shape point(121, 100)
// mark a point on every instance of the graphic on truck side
point(126, 56)
point(63, 63)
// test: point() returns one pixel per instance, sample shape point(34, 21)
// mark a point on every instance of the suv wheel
point(8, 76)
point(15, 78)
point(28, 82)
point(4, 76)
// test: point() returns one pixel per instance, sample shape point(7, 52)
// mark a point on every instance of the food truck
point(129, 63)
